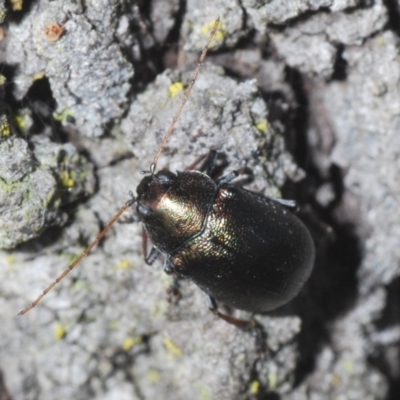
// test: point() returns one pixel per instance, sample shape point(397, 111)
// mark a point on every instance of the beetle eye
point(144, 185)
point(143, 211)
point(165, 176)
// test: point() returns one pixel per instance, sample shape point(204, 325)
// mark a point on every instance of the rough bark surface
point(304, 95)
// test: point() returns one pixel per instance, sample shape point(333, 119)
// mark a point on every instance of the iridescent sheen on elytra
point(243, 249)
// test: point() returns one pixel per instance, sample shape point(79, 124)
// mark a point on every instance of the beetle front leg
point(154, 252)
point(152, 256)
point(252, 326)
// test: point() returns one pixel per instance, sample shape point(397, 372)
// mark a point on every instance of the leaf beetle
point(240, 248)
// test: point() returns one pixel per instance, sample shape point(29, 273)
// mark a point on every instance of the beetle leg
point(145, 239)
point(152, 256)
point(252, 326)
point(239, 323)
point(168, 267)
point(154, 253)
point(290, 204)
point(208, 163)
point(227, 178)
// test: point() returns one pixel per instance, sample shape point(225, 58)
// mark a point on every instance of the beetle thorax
point(174, 207)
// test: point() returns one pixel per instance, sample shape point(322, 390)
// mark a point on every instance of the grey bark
point(302, 91)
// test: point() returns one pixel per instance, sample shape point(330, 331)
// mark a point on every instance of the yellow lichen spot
point(131, 341)
point(59, 332)
point(175, 89)
point(66, 179)
point(172, 348)
point(153, 375)
point(3, 80)
point(16, 5)
point(11, 259)
point(272, 380)
point(5, 129)
point(63, 115)
point(255, 387)
point(349, 367)
point(263, 126)
point(38, 76)
point(220, 33)
point(124, 264)
point(21, 121)
point(381, 41)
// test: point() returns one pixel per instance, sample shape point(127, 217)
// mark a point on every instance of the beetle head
point(173, 207)
point(150, 191)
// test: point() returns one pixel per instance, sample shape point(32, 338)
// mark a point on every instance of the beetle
point(245, 250)
point(240, 248)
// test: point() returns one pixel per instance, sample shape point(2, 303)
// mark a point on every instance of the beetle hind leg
point(251, 326)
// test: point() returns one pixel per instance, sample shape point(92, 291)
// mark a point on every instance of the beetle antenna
point(187, 94)
point(83, 254)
